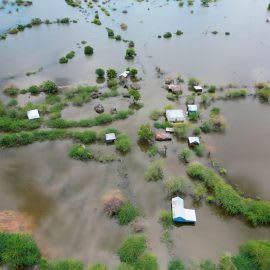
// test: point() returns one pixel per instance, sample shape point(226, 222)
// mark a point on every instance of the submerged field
point(62, 196)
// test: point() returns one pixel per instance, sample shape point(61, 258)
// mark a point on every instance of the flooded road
point(64, 196)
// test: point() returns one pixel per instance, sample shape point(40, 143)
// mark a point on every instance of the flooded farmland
point(64, 197)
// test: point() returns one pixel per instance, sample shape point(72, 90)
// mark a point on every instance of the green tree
point(145, 133)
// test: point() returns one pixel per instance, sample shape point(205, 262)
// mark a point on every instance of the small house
point(197, 88)
point(124, 75)
point(175, 115)
point(180, 214)
point(192, 108)
point(193, 141)
point(169, 130)
point(110, 137)
point(163, 136)
point(33, 114)
point(174, 88)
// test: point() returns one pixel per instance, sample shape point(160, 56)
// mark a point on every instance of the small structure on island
point(193, 141)
point(33, 114)
point(163, 136)
point(175, 115)
point(191, 108)
point(110, 137)
point(198, 88)
point(124, 75)
point(174, 88)
point(180, 214)
point(169, 130)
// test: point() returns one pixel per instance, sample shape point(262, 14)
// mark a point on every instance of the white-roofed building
point(175, 115)
point(192, 108)
point(180, 214)
point(124, 75)
point(193, 141)
point(110, 137)
point(197, 88)
point(33, 114)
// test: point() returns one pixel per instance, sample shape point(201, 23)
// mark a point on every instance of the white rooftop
point(194, 140)
point(197, 88)
point(110, 137)
point(169, 129)
point(180, 214)
point(192, 108)
point(175, 115)
point(33, 114)
point(124, 74)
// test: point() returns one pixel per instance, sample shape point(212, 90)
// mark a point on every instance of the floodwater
point(64, 196)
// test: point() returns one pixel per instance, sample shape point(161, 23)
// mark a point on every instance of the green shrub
point(193, 116)
point(155, 171)
point(147, 261)
point(181, 130)
point(179, 33)
point(63, 60)
point(243, 262)
point(124, 266)
point(197, 131)
point(145, 133)
point(176, 264)
point(208, 265)
point(88, 50)
point(111, 74)
point(166, 219)
point(97, 267)
point(193, 82)
point(175, 185)
point(130, 53)
point(199, 150)
point(118, 38)
point(34, 90)
point(167, 35)
point(135, 94)
point(211, 89)
point(236, 93)
point(133, 72)
point(13, 102)
point(36, 21)
point(110, 32)
point(185, 155)
point(257, 212)
point(18, 250)
point(80, 152)
point(85, 137)
point(67, 265)
point(152, 151)
point(131, 248)
point(100, 73)
point(199, 191)
point(162, 125)
point(70, 55)
point(127, 213)
point(156, 114)
point(264, 94)
point(49, 87)
point(123, 143)
point(206, 127)
point(14, 125)
point(112, 83)
point(11, 91)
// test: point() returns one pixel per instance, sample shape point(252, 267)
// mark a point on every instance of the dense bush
point(97, 267)
point(67, 265)
point(14, 125)
point(257, 212)
point(11, 91)
point(70, 55)
point(175, 185)
point(34, 90)
point(264, 94)
point(131, 248)
point(88, 50)
point(176, 264)
point(147, 261)
point(193, 82)
point(185, 155)
point(63, 60)
point(100, 73)
point(181, 130)
point(166, 219)
point(167, 35)
point(236, 93)
point(49, 87)
point(130, 53)
point(80, 152)
point(123, 143)
point(206, 127)
point(199, 150)
point(127, 213)
point(124, 266)
point(111, 74)
point(145, 133)
point(18, 250)
point(155, 171)
point(199, 191)
point(162, 125)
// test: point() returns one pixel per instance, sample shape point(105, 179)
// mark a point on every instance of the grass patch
point(127, 213)
point(155, 171)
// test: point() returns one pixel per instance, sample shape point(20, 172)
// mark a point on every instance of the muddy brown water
point(64, 196)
